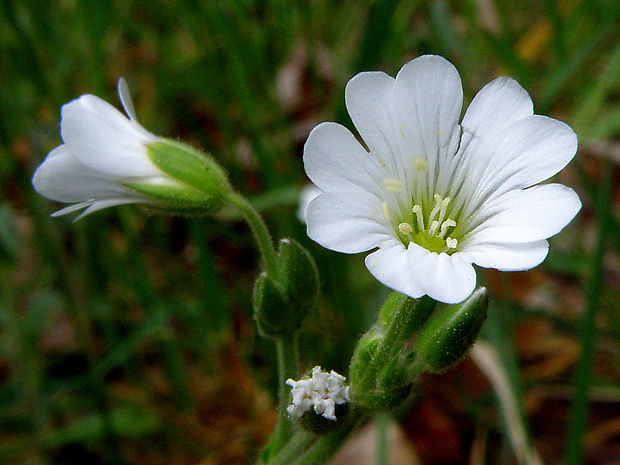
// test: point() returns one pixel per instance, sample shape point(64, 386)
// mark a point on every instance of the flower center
point(429, 230)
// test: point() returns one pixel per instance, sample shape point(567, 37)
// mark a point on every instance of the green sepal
point(362, 357)
point(189, 166)
point(451, 333)
point(271, 307)
point(377, 400)
point(176, 198)
point(191, 183)
point(418, 310)
point(299, 277)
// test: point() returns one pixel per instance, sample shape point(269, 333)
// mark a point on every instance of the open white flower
point(323, 391)
point(108, 159)
point(433, 196)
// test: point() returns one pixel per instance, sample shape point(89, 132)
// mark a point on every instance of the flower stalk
point(259, 228)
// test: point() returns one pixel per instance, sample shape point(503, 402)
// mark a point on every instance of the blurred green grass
point(128, 338)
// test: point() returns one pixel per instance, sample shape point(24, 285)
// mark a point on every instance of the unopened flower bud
point(451, 333)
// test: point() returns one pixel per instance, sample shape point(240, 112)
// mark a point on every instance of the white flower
point(108, 159)
point(322, 392)
point(102, 149)
point(433, 196)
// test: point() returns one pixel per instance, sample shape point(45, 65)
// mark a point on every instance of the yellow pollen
point(420, 164)
point(451, 243)
point(393, 185)
point(386, 211)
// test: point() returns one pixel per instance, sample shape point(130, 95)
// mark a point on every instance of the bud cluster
point(412, 336)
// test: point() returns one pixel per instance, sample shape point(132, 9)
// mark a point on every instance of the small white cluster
point(323, 391)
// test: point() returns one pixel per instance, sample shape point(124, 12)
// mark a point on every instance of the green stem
point(383, 423)
point(294, 448)
point(326, 446)
point(259, 229)
point(288, 367)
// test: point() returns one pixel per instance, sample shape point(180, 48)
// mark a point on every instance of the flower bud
point(381, 389)
point(282, 302)
point(451, 333)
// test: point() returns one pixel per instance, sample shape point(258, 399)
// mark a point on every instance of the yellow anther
point(420, 164)
point(393, 185)
point(405, 228)
point(451, 243)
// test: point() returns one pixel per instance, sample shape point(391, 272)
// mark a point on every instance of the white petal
point(500, 103)
point(528, 215)
point(102, 138)
point(528, 152)
point(63, 178)
point(93, 206)
point(335, 161)
point(507, 257)
point(390, 266)
point(427, 104)
point(368, 97)
point(446, 278)
point(101, 204)
point(346, 223)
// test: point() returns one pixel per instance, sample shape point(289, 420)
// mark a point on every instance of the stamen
point(406, 229)
point(418, 213)
point(420, 164)
point(451, 243)
point(433, 228)
point(436, 208)
point(393, 185)
point(449, 223)
point(386, 211)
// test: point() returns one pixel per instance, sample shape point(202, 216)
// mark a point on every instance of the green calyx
point(380, 374)
point(451, 333)
point(191, 182)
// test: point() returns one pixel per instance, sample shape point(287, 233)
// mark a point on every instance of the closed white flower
point(108, 159)
point(433, 196)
